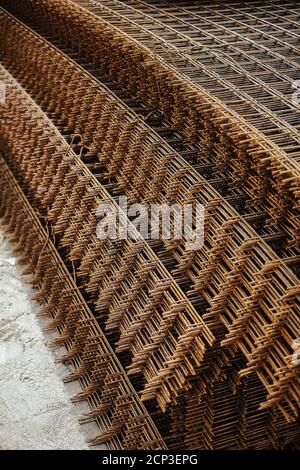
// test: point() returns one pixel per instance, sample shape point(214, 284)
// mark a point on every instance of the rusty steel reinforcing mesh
point(206, 336)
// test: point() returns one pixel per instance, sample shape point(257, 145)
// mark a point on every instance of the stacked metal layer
point(163, 107)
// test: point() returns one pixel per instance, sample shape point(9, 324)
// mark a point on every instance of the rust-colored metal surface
point(164, 104)
point(115, 406)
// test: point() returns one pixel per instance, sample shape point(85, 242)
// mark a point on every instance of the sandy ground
point(35, 407)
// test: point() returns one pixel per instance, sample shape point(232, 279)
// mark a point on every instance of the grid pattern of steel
point(168, 104)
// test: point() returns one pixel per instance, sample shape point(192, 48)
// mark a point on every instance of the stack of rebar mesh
point(164, 102)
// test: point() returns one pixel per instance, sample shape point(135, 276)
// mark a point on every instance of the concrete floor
point(35, 407)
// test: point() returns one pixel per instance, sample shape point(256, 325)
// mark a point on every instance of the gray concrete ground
point(35, 407)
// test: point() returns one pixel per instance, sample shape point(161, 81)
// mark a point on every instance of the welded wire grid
point(165, 103)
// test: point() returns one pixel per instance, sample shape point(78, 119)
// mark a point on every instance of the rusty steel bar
point(274, 153)
point(266, 346)
point(164, 103)
point(104, 382)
